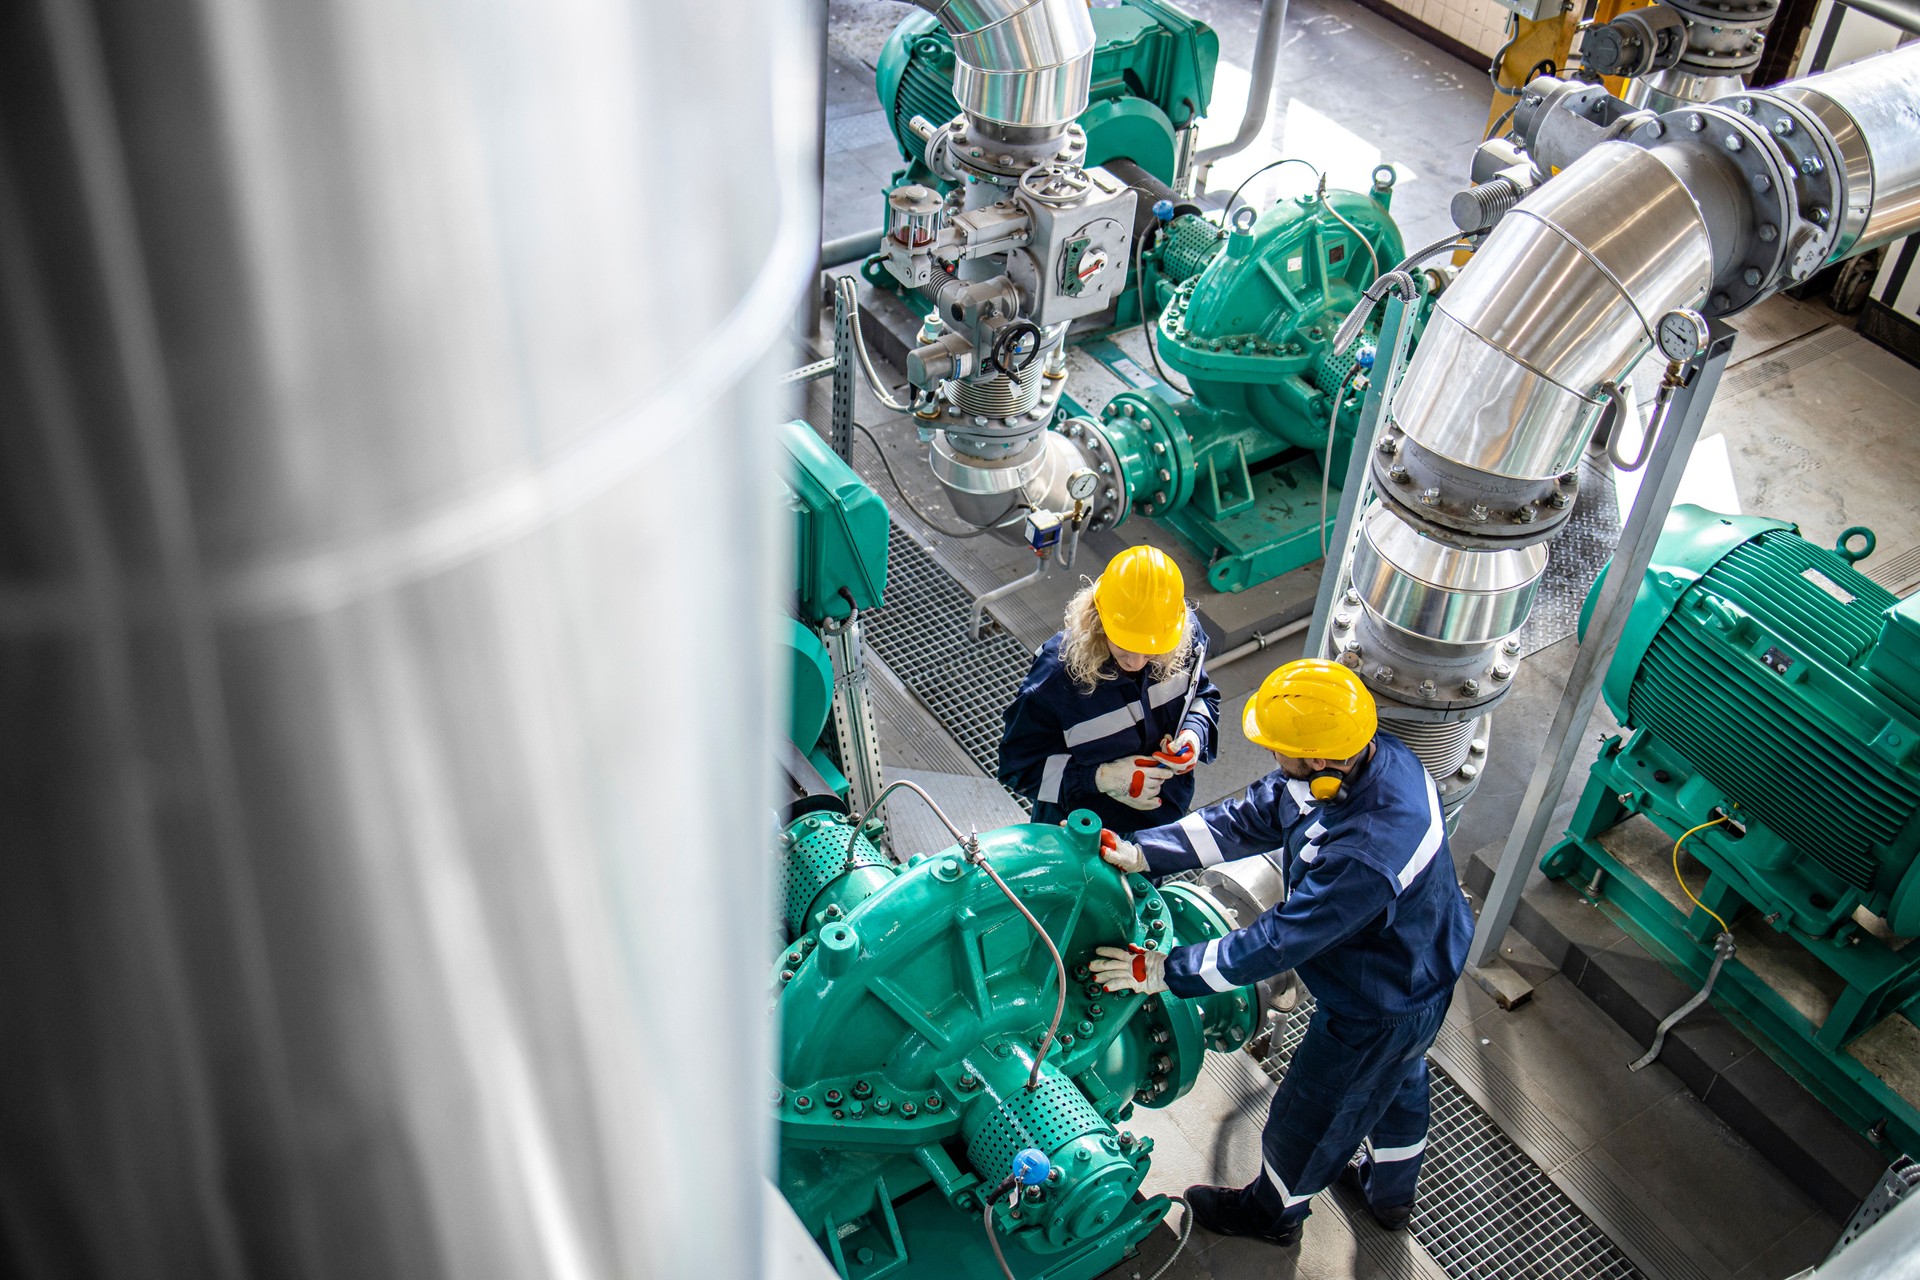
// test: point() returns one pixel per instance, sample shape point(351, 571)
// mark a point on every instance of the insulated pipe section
point(1871, 109)
point(1266, 57)
point(1510, 375)
point(1022, 65)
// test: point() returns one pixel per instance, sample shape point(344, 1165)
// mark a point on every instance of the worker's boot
point(1235, 1211)
point(1393, 1217)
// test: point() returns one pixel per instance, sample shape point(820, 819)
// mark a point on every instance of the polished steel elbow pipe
point(1021, 65)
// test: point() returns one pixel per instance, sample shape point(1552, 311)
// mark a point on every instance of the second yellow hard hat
point(1142, 600)
point(1312, 709)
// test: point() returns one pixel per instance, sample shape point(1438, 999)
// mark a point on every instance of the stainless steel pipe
point(1872, 109)
point(1559, 301)
point(1266, 57)
point(1024, 65)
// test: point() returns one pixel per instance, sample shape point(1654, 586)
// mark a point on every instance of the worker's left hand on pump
point(1129, 969)
point(1123, 854)
point(1180, 752)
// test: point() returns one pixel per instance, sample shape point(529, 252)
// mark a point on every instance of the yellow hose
point(1683, 883)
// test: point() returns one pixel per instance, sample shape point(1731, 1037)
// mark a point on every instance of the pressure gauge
point(1081, 484)
point(1683, 334)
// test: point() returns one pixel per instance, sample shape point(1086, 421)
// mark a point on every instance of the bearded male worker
point(1374, 922)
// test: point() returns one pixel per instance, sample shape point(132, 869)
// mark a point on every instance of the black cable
point(1226, 214)
point(993, 1237)
point(1147, 316)
point(1493, 68)
point(1504, 117)
point(902, 491)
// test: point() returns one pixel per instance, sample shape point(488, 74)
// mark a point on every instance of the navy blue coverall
point(1376, 926)
point(1057, 735)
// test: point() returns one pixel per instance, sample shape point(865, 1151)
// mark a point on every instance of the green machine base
point(1278, 533)
point(1627, 781)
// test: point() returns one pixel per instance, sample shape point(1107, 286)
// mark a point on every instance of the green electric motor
point(1772, 690)
point(1152, 77)
point(913, 1001)
point(1236, 468)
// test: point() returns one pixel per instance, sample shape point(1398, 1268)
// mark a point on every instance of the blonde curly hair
point(1083, 647)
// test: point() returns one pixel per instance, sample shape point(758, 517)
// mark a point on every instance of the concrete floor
point(1812, 424)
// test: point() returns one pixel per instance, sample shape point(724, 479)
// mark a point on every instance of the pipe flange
point(1750, 147)
point(1420, 686)
point(1830, 205)
point(1110, 501)
point(1154, 451)
point(1465, 507)
point(965, 152)
point(1724, 37)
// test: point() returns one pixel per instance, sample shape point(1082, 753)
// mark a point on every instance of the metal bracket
point(855, 733)
point(840, 426)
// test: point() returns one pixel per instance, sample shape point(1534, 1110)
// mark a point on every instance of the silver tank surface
point(386, 476)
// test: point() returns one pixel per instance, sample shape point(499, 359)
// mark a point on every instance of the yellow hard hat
point(1311, 709)
point(1142, 601)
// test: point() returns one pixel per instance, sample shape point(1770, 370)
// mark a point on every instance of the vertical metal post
point(1396, 334)
point(855, 734)
point(840, 426)
point(1630, 560)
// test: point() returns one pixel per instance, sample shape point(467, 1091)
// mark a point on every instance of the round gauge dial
point(1081, 484)
point(1683, 334)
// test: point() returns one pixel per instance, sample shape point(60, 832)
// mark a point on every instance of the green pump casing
point(1252, 335)
point(1152, 74)
point(912, 1001)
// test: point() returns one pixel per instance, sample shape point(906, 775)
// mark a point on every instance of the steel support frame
point(1396, 335)
point(1678, 432)
point(855, 734)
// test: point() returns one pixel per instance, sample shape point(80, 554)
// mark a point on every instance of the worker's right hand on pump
point(1123, 854)
point(1134, 781)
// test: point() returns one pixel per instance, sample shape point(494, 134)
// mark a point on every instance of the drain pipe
point(1260, 640)
point(1266, 56)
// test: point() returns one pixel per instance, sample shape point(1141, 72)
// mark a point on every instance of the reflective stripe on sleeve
point(1200, 836)
point(1050, 776)
point(1429, 843)
point(1210, 968)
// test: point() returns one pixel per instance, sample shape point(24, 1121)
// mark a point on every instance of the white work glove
point(1129, 969)
point(1123, 854)
point(1180, 752)
point(1134, 781)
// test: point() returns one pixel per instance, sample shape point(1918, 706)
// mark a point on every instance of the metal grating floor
point(920, 632)
point(1484, 1211)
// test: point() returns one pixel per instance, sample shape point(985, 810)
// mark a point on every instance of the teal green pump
point(913, 1002)
point(1236, 467)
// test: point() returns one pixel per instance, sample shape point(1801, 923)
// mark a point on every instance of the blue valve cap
point(1364, 358)
point(1163, 210)
point(1031, 1167)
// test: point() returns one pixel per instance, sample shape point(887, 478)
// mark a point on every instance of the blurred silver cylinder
point(383, 443)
